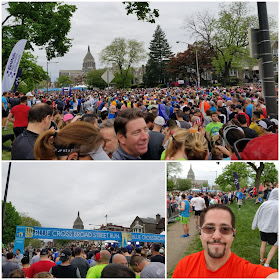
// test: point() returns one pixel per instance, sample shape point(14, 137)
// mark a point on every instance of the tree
point(183, 65)
point(228, 34)
point(159, 55)
point(43, 24)
point(32, 73)
point(119, 81)
point(142, 11)
point(170, 185)
point(265, 172)
point(94, 79)
point(64, 81)
point(226, 178)
point(124, 53)
point(30, 222)
point(173, 168)
point(11, 221)
point(184, 184)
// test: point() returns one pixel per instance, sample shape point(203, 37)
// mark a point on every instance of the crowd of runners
point(148, 124)
point(91, 262)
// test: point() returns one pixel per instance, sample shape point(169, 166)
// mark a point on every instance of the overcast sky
point(54, 192)
point(97, 24)
point(206, 170)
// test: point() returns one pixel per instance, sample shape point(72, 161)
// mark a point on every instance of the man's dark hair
point(214, 113)
point(124, 117)
point(218, 207)
point(124, 250)
point(156, 246)
point(179, 114)
point(38, 112)
point(149, 117)
point(103, 115)
point(89, 118)
point(10, 255)
point(241, 118)
point(77, 251)
point(257, 114)
point(186, 109)
point(117, 270)
point(25, 260)
point(183, 195)
point(23, 99)
point(138, 250)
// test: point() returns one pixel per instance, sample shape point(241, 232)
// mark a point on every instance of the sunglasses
point(223, 230)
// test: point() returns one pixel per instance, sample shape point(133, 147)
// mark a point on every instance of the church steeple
point(88, 49)
point(191, 174)
point(88, 62)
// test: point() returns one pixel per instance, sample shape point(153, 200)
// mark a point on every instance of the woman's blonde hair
point(176, 142)
point(80, 137)
point(196, 146)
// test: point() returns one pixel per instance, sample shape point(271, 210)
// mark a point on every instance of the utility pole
point(268, 82)
point(5, 195)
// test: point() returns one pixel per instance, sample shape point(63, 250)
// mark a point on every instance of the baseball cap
point(67, 117)
point(44, 252)
point(104, 109)
point(65, 255)
point(159, 120)
point(265, 123)
point(29, 94)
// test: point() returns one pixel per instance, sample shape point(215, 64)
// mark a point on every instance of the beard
point(216, 253)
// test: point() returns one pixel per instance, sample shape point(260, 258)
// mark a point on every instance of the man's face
point(136, 140)
point(110, 141)
point(215, 118)
point(17, 252)
point(217, 245)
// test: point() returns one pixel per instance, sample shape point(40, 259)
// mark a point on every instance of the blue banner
point(23, 232)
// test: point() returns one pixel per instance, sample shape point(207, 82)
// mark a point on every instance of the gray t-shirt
point(153, 270)
point(8, 267)
point(82, 264)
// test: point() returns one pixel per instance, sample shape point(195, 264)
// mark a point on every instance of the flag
point(70, 94)
point(17, 79)
point(12, 65)
point(236, 181)
point(62, 90)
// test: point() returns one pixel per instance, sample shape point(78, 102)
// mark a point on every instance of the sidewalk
point(176, 245)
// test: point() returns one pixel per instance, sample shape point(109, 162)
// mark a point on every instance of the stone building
point(78, 224)
point(195, 183)
point(112, 227)
point(78, 76)
point(148, 225)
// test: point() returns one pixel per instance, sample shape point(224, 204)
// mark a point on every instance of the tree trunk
point(226, 74)
point(258, 173)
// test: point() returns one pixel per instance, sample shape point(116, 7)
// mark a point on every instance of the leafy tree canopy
point(44, 24)
point(94, 79)
point(270, 173)
point(124, 53)
point(28, 221)
point(184, 184)
point(64, 81)
point(142, 11)
point(170, 185)
point(11, 221)
point(173, 168)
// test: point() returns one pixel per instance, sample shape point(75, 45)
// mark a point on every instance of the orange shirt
point(194, 266)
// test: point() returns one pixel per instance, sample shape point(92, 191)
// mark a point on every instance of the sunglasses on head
point(225, 230)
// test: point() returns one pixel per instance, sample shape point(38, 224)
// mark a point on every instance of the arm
point(273, 275)
point(183, 206)
point(207, 134)
point(10, 117)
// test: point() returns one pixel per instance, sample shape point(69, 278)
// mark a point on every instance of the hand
point(223, 150)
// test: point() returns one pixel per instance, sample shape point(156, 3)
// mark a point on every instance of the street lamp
point(196, 58)
point(48, 73)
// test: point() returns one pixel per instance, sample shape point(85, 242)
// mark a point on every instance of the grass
point(246, 243)
point(5, 154)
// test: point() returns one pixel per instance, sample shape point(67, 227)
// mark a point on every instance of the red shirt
point(20, 113)
point(40, 266)
point(26, 272)
point(194, 266)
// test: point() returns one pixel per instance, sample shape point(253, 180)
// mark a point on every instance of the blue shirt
point(4, 100)
point(186, 212)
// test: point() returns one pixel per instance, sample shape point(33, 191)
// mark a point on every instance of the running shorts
point(185, 220)
point(270, 238)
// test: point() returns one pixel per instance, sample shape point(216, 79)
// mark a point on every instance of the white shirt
point(198, 203)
